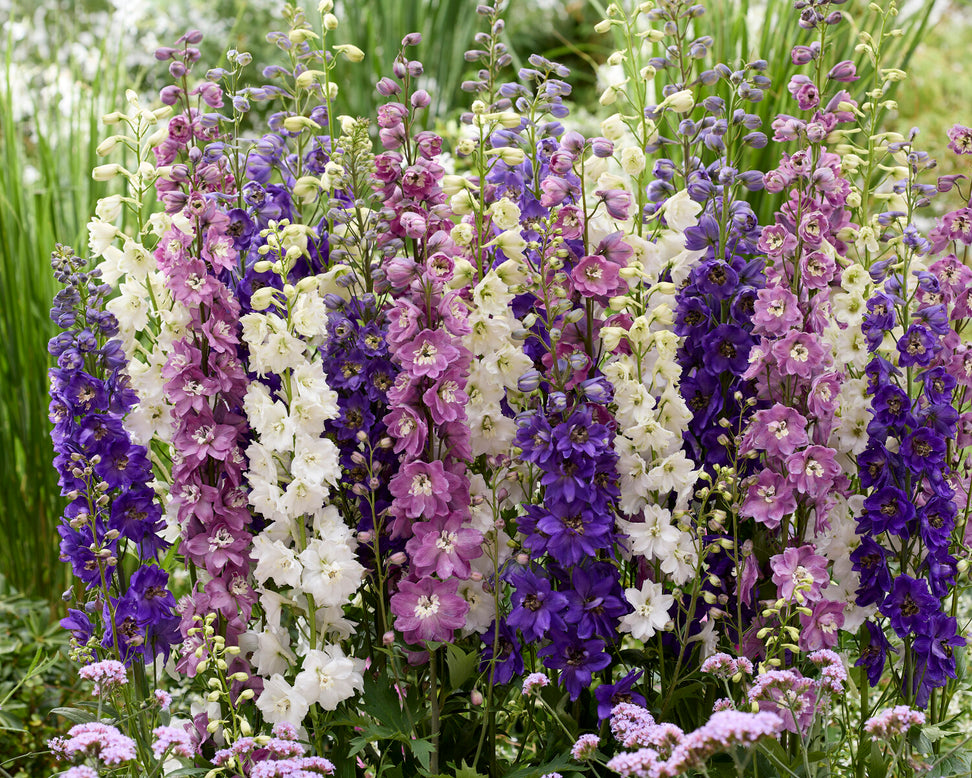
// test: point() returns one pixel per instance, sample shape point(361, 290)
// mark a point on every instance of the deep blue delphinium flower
point(934, 654)
point(609, 695)
point(888, 509)
point(577, 659)
point(537, 608)
point(875, 654)
point(509, 654)
point(910, 605)
point(112, 513)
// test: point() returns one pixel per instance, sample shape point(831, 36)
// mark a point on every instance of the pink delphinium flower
point(595, 276)
point(799, 570)
point(428, 609)
point(444, 547)
point(813, 471)
point(820, 628)
point(776, 311)
point(421, 489)
point(779, 431)
point(769, 499)
point(429, 354)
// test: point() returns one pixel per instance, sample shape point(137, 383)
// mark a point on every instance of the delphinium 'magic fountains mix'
point(508, 447)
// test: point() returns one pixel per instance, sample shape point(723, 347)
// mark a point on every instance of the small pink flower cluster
point(724, 666)
point(104, 675)
point(892, 722)
point(94, 739)
point(174, 741)
point(667, 752)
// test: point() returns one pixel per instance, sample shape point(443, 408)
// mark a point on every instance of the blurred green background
point(66, 62)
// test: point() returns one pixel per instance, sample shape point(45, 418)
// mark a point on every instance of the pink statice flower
point(94, 739)
point(585, 747)
point(799, 574)
point(892, 722)
point(833, 675)
point(104, 675)
point(787, 694)
point(534, 681)
point(723, 731)
point(720, 665)
point(628, 719)
point(163, 698)
point(174, 741)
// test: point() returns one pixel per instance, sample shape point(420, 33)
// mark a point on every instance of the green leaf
point(188, 771)
point(381, 702)
point(561, 763)
point(75, 715)
point(465, 771)
point(461, 665)
point(422, 750)
point(878, 768)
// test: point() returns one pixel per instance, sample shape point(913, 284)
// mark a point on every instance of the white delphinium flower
point(482, 606)
point(650, 613)
point(681, 564)
point(315, 459)
point(681, 211)
point(653, 538)
point(275, 561)
point(279, 701)
point(331, 573)
point(328, 677)
point(272, 655)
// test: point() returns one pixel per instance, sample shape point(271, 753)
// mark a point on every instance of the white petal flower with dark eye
point(328, 677)
point(650, 614)
point(279, 701)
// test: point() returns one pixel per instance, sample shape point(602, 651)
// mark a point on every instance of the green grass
point(33, 216)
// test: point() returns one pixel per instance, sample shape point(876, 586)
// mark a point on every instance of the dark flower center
point(575, 524)
point(693, 318)
point(532, 603)
point(909, 607)
point(717, 275)
point(727, 350)
point(922, 448)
